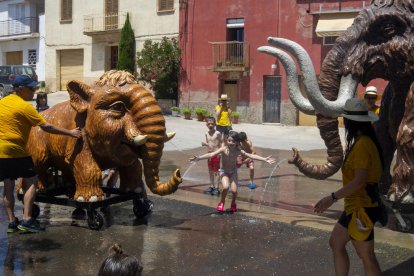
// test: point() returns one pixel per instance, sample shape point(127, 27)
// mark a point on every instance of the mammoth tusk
point(169, 136)
point(140, 140)
point(295, 95)
point(319, 102)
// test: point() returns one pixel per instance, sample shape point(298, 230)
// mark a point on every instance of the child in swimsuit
point(229, 154)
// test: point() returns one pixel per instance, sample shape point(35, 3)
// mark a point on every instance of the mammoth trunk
point(329, 82)
point(150, 122)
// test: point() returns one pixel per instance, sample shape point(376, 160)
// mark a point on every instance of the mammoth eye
point(118, 106)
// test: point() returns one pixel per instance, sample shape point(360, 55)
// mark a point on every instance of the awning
point(334, 24)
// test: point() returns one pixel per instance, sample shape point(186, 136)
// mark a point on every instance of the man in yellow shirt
point(17, 117)
point(223, 113)
point(371, 97)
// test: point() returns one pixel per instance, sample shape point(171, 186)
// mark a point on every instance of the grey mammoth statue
point(379, 44)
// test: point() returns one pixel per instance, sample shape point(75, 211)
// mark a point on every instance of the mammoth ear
point(79, 94)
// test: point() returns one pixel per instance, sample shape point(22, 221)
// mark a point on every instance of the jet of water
point(267, 182)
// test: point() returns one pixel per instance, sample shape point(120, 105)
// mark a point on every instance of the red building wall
point(202, 22)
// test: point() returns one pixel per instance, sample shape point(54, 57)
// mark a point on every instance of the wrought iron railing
point(19, 26)
point(103, 22)
point(230, 56)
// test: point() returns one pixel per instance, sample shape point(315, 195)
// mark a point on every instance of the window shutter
point(66, 10)
point(165, 5)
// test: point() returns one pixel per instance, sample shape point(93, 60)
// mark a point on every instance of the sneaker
point(252, 186)
point(209, 190)
point(233, 207)
point(220, 207)
point(148, 204)
point(31, 225)
point(215, 191)
point(13, 226)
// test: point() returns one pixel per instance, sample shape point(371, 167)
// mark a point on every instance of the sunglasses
point(371, 98)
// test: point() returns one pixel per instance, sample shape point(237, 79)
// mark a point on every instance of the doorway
point(271, 99)
point(230, 88)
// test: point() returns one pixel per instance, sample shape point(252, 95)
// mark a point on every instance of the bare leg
point(365, 250)
point(8, 198)
point(216, 180)
point(225, 181)
point(212, 180)
point(234, 181)
point(29, 185)
point(251, 173)
point(337, 242)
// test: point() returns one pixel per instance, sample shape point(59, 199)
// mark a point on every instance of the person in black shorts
point(17, 117)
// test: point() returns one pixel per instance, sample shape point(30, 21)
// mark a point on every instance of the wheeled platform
point(59, 196)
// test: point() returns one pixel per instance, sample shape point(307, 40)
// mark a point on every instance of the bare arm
point(359, 181)
point(218, 111)
point(207, 155)
point(49, 128)
point(268, 159)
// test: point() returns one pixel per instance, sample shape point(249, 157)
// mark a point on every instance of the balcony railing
point(103, 22)
point(230, 56)
point(21, 26)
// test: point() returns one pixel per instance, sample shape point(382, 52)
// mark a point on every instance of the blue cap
point(24, 80)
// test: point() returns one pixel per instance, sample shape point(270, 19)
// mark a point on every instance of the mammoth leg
point(401, 188)
point(131, 178)
point(88, 177)
point(384, 138)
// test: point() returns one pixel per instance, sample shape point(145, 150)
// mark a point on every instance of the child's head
point(41, 99)
point(242, 136)
point(233, 138)
point(119, 263)
point(211, 122)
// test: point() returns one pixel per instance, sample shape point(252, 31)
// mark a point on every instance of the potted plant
point(200, 113)
point(187, 113)
point(175, 110)
point(235, 117)
point(206, 114)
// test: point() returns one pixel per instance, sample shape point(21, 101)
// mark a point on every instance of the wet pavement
point(274, 232)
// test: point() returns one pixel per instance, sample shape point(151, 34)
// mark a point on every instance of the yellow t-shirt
point(376, 110)
point(17, 117)
point(363, 155)
point(224, 118)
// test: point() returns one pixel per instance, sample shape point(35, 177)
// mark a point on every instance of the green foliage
point(187, 110)
point(126, 54)
point(175, 108)
point(206, 113)
point(159, 64)
point(199, 110)
point(235, 114)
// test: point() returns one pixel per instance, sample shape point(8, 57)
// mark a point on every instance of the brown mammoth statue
point(121, 124)
point(379, 44)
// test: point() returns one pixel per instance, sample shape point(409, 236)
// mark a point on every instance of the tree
point(126, 54)
point(159, 64)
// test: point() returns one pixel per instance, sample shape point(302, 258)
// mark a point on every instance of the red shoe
point(220, 207)
point(233, 207)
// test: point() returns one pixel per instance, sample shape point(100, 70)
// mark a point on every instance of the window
point(32, 56)
point(66, 10)
point(235, 29)
point(165, 5)
point(329, 40)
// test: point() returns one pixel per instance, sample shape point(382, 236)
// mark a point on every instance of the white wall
point(145, 21)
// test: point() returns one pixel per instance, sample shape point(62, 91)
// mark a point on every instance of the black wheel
point(95, 220)
point(408, 226)
point(142, 207)
point(78, 213)
point(35, 211)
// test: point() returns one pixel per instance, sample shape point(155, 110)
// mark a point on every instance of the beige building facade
point(82, 36)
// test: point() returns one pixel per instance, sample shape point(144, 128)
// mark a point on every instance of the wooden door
point(14, 58)
point(111, 14)
point(230, 88)
point(114, 57)
point(271, 99)
point(71, 66)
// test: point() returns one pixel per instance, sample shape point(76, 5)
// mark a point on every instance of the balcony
point(230, 56)
point(99, 24)
point(26, 26)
